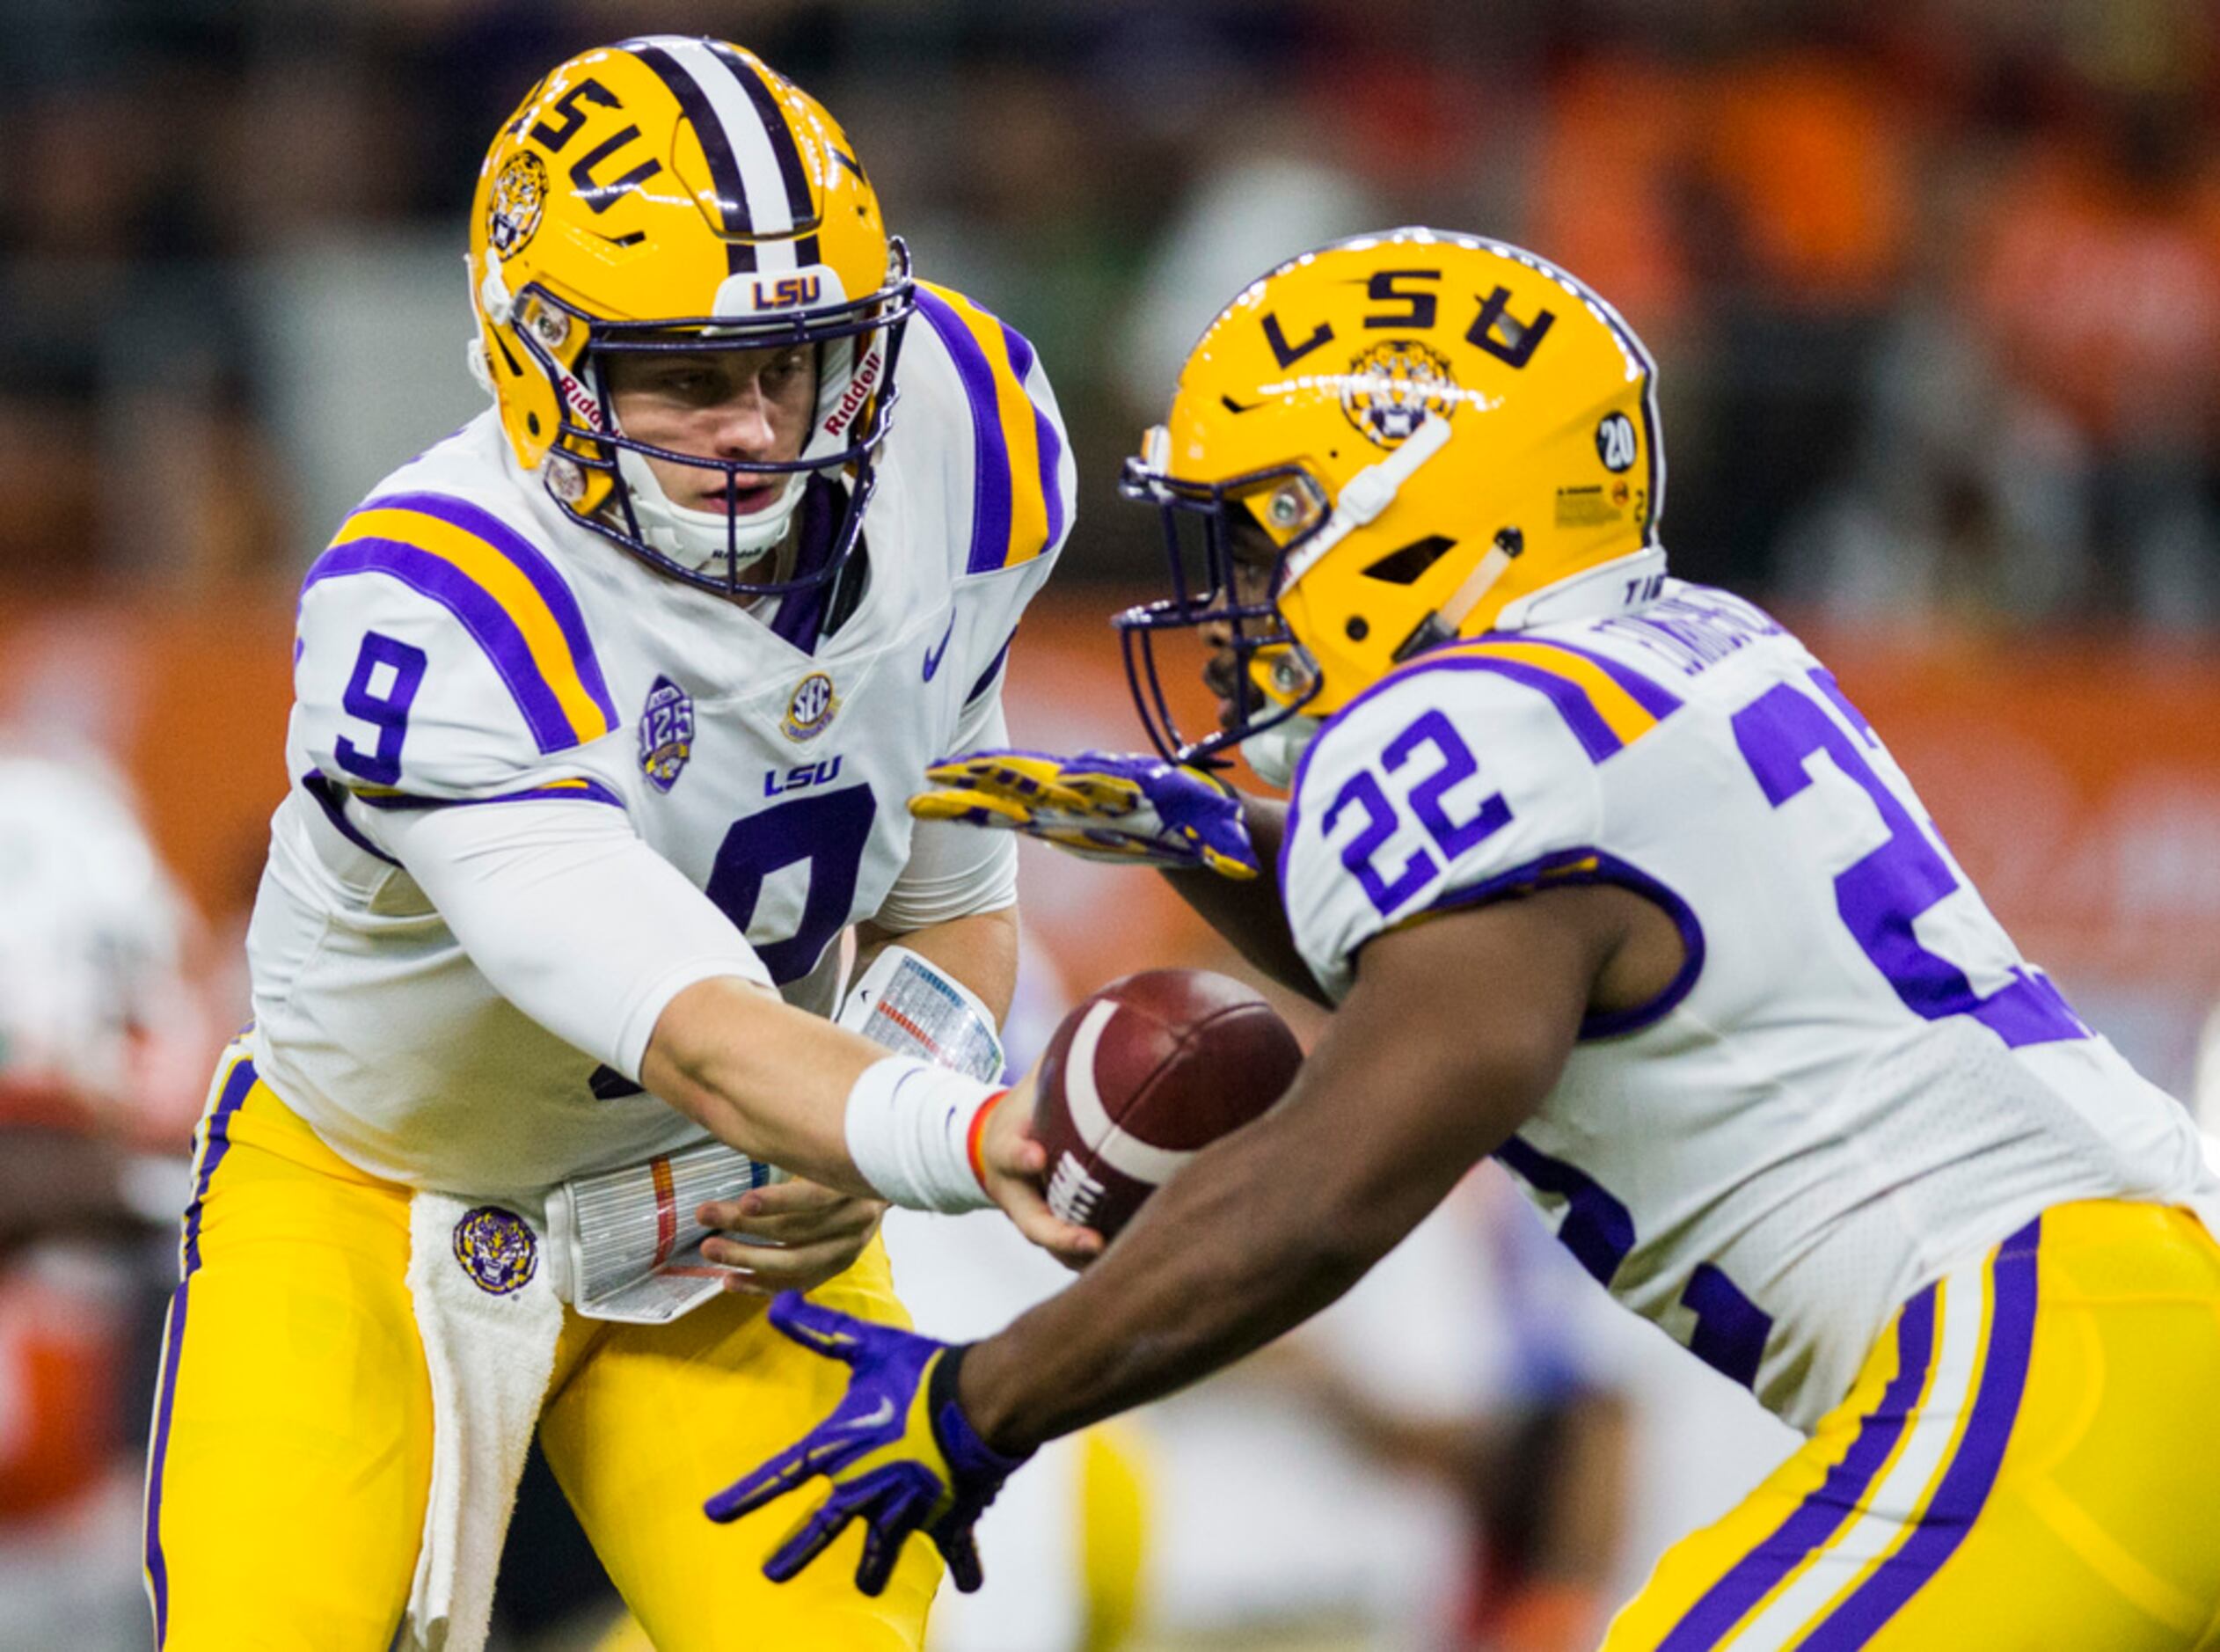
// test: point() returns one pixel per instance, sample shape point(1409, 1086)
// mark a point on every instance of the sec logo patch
point(812, 707)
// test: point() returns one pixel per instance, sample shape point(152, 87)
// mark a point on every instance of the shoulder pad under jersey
point(1470, 774)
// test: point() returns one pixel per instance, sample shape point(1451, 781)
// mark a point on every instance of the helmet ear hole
point(1404, 565)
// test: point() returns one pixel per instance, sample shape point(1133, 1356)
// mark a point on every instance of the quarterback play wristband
point(909, 1128)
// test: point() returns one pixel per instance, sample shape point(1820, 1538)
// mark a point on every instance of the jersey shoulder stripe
point(1607, 705)
point(1018, 504)
point(503, 590)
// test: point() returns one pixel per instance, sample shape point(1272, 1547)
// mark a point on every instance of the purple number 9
point(383, 704)
point(1779, 733)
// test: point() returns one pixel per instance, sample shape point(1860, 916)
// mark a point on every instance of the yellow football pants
point(2029, 1462)
point(292, 1441)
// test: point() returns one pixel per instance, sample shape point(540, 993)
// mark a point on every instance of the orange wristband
point(977, 1134)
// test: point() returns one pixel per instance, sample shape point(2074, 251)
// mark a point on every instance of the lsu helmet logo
point(496, 1249)
point(1391, 387)
point(520, 194)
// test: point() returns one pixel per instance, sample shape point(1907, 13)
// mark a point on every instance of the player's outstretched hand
point(1100, 805)
point(804, 1235)
point(1013, 1167)
point(898, 1450)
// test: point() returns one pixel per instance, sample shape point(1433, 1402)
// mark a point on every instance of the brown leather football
point(1142, 1074)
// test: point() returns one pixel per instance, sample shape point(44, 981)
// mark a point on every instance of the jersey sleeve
point(596, 967)
point(1462, 779)
point(1011, 480)
point(954, 870)
point(440, 657)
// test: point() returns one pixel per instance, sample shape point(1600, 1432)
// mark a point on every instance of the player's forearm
point(1416, 1078)
point(1249, 913)
point(765, 1077)
point(1169, 1305)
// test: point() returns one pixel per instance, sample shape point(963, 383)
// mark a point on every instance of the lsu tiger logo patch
point(497, 1249)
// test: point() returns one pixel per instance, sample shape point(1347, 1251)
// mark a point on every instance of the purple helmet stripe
point(1045, 440)
point(1837, 1497)
point(534, 564)
point(486, 621)
point(799, 205)
point(1951, 1513)
point(723, 170)
point(242, 1079)
point(990, 513)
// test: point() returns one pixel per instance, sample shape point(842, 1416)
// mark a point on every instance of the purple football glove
point(1100, 805)
point(897, 1449)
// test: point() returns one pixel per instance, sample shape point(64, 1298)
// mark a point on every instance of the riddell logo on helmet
point(581, 401)
point(858, 392)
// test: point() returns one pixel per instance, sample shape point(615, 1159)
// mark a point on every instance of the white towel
point(487, 1311)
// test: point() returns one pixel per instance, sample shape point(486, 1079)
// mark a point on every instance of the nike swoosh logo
point(879, 1418)
point(933, 656)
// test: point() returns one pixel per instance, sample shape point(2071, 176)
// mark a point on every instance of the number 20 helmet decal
point(1413, 430)
point(670, 193)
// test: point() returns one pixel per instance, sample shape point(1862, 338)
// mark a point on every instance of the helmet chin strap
point(700, 537)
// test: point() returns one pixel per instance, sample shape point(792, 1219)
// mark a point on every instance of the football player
point(605, 709)
point(1605, 875)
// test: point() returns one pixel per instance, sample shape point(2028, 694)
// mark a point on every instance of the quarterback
point(1603, 874)
point(605, 708)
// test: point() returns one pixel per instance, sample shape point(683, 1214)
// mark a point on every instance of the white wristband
point(908, 1127)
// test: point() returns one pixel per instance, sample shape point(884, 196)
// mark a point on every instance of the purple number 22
point(1452, 838)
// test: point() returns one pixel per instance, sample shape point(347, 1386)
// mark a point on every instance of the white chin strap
point(1274, 751)
point(698, 539)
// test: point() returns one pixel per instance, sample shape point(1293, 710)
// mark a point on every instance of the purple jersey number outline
point(1730, 1330)
point(1433, 728)
point(1882, 895)
point(386, 711)
point(829, 830)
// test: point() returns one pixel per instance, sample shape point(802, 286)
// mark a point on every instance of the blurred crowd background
point(1935, 285)
point(1937, 282)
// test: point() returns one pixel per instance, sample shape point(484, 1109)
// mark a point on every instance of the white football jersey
point(462, 642)
point(1854, 1084)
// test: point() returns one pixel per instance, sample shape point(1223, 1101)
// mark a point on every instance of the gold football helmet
point(674, 194)
point(1382, 446)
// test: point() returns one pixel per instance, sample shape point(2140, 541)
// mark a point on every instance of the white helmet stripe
point(771, 212)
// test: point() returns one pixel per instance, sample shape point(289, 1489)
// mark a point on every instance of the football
point(1145, 1073)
